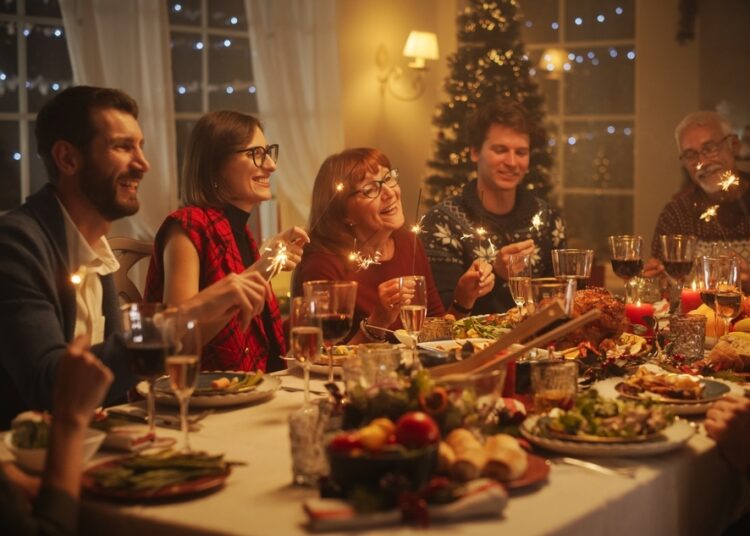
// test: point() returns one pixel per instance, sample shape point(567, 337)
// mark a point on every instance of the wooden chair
point(128, 252)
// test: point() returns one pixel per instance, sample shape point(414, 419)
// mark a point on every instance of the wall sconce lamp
point(420, 46)
point(553, 62)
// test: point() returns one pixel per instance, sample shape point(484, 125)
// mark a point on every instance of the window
point(583, 53)
point(34, 64)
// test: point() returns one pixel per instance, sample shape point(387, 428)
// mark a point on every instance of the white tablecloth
point(690, 491)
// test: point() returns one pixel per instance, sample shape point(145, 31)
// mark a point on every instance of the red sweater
point(322, 265)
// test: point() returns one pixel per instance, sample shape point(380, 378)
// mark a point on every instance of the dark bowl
point(367, 469)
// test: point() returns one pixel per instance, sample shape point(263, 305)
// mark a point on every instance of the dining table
point(690, 490)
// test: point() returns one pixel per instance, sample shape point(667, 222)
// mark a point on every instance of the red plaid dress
point(210, 232)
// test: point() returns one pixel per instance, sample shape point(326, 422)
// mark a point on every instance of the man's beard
point(101, 190)
point(706, 178)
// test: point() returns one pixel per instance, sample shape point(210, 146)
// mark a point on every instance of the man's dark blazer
point(38, 309)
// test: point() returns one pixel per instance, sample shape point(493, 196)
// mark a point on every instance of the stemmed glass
point(142, 332)
point(413, 290)
point(332, 304)
point(573, 263)
point(678, 255)
point(183, 362)
point(519, 279)
point(625, 255)
point(305, 338)
point(719, 286)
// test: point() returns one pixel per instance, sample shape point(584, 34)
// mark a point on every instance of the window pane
point(540, 24)
point(8, 68)
point(8, 6)
point(599, 19)
point(38, 173)
point(601, 81)
point(227, 14)
point(185, 12)
point(591, 218)
point(48, 64)
point(598, 154)
point(549, 82)
point(10, 165)
point(186, 71)
point(230, 75)
point(43, 8)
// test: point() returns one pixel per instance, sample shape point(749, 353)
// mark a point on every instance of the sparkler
point(276, 262)
point(338, 187)
point(728, 180)
point(363, 262)
point(710, 213)
point(416, 229)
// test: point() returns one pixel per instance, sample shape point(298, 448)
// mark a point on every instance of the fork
point(627, 472)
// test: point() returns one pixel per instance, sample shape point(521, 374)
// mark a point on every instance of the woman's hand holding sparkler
point(281, 252)
point(475, 282)
point(500, 266)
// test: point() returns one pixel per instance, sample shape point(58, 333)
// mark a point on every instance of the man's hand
point(652, 268)
point(476, 282)
point(500, 266)
point(728, 423)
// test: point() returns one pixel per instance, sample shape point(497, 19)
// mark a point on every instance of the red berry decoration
point(416, 430)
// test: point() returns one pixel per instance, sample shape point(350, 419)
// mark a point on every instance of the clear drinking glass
point(305, 338)
point(332, 304)
point(146, 348)
point(625, 255)
point(546, 289)
point(183, 362)
point(519, 279)
point(717, 273)
point(554, 384)
point(573, 263)
point(413, 290)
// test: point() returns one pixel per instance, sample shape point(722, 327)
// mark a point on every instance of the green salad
point(482, 326)
point(596, 416)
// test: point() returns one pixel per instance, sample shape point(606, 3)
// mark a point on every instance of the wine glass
point(413, 289)
point(719, 286)
point(678, 254)
point(305, 338)
point(183, 362)
point(142, 332)
point(332, 304)
point(519, 279)
point(573, 263)
point(625, 255)
point(544, 290)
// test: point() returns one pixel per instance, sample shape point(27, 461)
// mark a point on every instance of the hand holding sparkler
point(476, 282)
point(281, 252)
point(500, 265)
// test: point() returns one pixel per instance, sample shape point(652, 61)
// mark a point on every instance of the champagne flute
point(573, 263)
point(413, 310)
point(519, 279)
point(183, 363)
point(332, 303)
point(625, 255)
point(142, 332)
point(305, 338)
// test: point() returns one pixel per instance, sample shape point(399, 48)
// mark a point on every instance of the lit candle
point(690, 299)
point(636, 312)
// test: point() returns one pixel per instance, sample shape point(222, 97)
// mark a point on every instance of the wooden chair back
point(128, 252)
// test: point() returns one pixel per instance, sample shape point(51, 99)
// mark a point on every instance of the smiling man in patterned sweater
point(492, 217)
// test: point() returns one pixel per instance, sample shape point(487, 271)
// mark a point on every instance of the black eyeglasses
point(259, 153)
point(372, 189)
point(708, 150)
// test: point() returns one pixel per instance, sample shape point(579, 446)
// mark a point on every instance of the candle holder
point(687, 333)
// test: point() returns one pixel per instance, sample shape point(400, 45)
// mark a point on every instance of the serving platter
point(712, 390)
point(215, 398)
point(667, 440)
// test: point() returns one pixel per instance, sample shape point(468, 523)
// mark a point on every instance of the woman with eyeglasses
point(226, 174)
point(357, 233)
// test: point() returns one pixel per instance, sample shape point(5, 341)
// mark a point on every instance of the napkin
point(481, 497)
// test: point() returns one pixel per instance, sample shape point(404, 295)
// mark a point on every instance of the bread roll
point(470, 455)
point(506, 460)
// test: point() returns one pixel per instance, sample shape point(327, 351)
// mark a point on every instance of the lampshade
point(421, 46)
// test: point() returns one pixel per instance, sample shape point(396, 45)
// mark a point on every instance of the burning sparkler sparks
point(277, 261)
point(710, 213)
point(728, 180)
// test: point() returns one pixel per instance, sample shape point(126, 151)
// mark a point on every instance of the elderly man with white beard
point(715, 205)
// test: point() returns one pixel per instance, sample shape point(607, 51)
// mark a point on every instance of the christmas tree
point(490, 63)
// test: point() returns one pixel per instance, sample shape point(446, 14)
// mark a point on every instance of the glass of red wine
point(332, 305)
point(625, 255)
point(143, 325)
point(678, 254)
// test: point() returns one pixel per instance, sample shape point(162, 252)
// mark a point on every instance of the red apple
point(416, 430)
point(345, 443)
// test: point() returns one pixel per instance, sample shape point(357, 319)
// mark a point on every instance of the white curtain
point(124, 44)
point(296, 70)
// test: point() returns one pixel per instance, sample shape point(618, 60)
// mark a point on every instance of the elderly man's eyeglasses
point(708, 150)
point(372, 189)
point(259, 153)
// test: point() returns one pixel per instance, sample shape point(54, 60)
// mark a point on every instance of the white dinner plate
point(264, 390)
point(451, 345)
point(670, 439)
